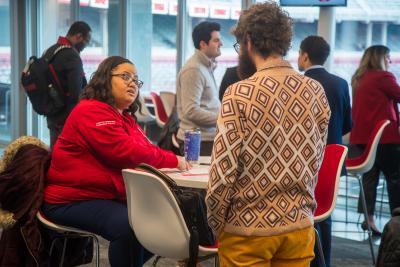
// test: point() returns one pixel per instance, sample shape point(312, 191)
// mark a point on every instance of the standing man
point(196, 90)
point(271, 135)
point(69, 68)
point(314, 51)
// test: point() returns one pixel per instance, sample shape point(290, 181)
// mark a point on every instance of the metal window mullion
point(18, 24)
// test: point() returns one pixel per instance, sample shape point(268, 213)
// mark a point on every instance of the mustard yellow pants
point(294, 249)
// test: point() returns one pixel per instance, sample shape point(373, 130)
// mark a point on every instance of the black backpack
point(192, 205)
point(41, 84)
point(389, 249)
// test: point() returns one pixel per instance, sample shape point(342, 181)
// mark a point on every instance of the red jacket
point(376, 99)
point(96, 143)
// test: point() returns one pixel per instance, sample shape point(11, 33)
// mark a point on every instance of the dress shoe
point(374, 231)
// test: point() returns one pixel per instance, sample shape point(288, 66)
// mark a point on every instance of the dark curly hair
point(99, 87)
point(268, 27)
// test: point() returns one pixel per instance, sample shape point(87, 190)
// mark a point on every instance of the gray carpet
point(345, 253)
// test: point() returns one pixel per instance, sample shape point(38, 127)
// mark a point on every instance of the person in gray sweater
point(196, 90)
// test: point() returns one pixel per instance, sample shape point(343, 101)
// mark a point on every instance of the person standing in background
point(196, 89)
point(314, 51)
point(69, 68)
point(376, 95)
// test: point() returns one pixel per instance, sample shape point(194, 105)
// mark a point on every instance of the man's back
point(337, 92)
point(272, 131)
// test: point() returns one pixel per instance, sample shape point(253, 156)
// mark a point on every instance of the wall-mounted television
point(313, 2)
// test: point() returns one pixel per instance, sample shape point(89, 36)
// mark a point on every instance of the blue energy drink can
point(192, 145)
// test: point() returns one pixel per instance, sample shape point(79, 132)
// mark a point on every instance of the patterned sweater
point(271, 135)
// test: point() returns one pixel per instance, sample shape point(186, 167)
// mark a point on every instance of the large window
point(54, 21)
point(103, 19)
point(361, 24)
point(163, 53)
point(226, 13)
point(5, 70)
point(163, 48)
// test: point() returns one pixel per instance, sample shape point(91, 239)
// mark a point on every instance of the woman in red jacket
point(376, 94)
point(85, 188)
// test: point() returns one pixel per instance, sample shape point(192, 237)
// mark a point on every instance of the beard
point(246, 66)
point(79, 46)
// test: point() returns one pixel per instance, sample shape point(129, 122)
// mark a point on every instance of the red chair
point(356, 167)
point(327, 187)
point(161, 115)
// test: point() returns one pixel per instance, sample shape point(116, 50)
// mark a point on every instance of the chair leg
point(319, 245)
point(216, 261)
point(97, 246)
point(346, 199)
point(382, 193)
point(364, 205)
point(63, 251)
point(156, 261)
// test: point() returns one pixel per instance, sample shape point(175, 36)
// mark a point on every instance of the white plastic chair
point(356, 167)
point(68, 232)
point(144, 116)
point(156, 219)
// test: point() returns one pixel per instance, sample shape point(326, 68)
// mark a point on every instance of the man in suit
point(314, 51)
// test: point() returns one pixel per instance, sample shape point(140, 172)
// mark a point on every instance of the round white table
point(197, 177)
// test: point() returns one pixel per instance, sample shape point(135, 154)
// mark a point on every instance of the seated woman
point(85, 188)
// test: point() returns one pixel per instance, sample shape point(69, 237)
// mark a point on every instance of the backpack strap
point(170, 182)
point(50, 57)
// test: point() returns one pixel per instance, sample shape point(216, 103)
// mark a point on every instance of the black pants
point(388, 162)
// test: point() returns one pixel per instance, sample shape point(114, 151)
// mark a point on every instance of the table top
point(197, 177)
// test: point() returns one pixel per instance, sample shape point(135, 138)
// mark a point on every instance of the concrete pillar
point(368, 41)
point(327, 29)
point(384, 31)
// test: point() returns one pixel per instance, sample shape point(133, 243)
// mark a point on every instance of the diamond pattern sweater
point(271, 135)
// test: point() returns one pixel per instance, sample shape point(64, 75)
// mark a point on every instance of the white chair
point(68, 232)
point(156, 219)
point(144, 115)
point(168, 99)
point(356, 167)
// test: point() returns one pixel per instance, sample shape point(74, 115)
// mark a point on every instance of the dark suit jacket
point(337, 92)
point(230, 77)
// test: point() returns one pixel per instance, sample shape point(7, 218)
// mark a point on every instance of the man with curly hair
point(271, 135)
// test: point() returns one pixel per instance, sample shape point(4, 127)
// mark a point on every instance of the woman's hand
point(183, 165)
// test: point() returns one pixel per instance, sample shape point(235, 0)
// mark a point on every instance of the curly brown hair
point(267, 26)
point(99, 87)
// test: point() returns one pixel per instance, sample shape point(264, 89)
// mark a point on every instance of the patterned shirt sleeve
point(225, 167)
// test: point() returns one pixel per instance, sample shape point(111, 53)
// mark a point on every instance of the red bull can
point(192, 145)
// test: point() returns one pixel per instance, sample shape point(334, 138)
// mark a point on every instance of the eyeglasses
point(128, 79)
point(237, 47)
